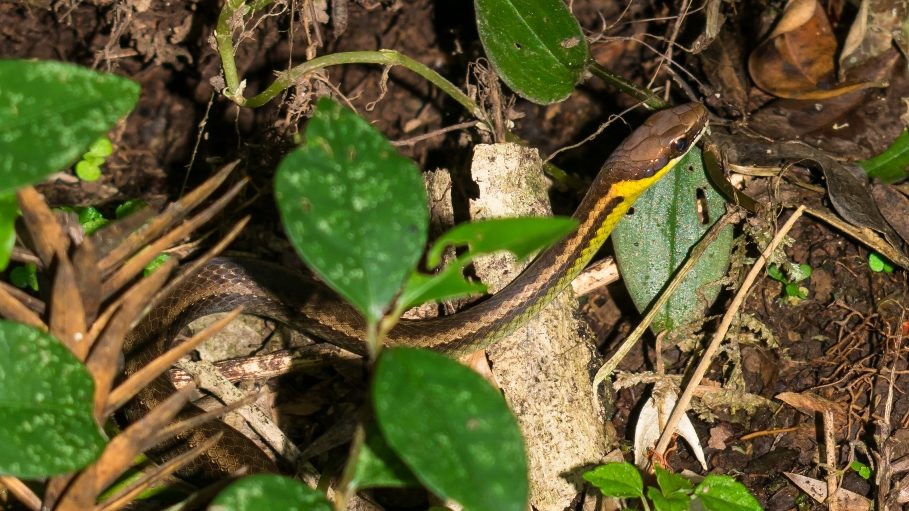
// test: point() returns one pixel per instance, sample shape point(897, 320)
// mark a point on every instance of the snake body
point(272, 291)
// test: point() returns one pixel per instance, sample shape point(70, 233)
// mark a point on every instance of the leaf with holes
point(51, 112)
point(536, 46)
point(46, 395)
point(654, 239)
point(354, 209)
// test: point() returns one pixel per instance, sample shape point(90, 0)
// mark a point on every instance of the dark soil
point(839, 343)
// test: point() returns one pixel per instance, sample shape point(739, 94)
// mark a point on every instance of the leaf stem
point(646, 96)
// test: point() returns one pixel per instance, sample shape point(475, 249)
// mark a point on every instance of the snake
point(273, 291)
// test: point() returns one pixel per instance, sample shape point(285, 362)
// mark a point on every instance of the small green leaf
point(269, 491)
point(653, 241)
point(129, 207)
point(621, 480)
point(101, 148)
point(723, 493)
point(50, 113)
point(354, 209)
point(379, 467)
point(804, 272)
point(46, 412)
point(891, 165)
point(672, 502)
point(670, 483)
point(774, 272)
point(25, 276)
point(878, 263)
point(520, 236)
point(88, 171)
point(451, 428)
point(536, 46)
point(864, 471)
point(9, 210)
point(91, 219)
point(155, 263)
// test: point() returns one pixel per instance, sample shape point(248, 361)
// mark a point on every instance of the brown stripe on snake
point(272, 291)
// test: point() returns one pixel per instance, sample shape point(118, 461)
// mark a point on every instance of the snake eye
point(680, 144)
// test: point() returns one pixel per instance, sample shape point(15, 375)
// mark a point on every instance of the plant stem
point(381, 57)
point(225, 42)
point(344, 487)
point(650, 100)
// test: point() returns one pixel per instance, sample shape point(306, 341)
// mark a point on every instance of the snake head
point(664, 138)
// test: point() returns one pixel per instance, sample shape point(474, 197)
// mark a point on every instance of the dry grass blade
point(174, 213)
point(219, 247)
point(22, 492)
point(88, 279)
point(102, 363)
point(67, 316)
point(34, 304)
point(126, 495)
point(178, 428)
point(114, 234)
point(138, 262)
point(15, 310)
point(46, 234)
point(129, 388)
point(119, 454)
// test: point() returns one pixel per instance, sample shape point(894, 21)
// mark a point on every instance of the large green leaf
point(50, 112)
point(536, 46)
point(269, 491)
point(45, 406)
point(653, 240)
point(617, 479)
point(378, 466)
point(354, 209)
point(452, 429)
point(723, 493)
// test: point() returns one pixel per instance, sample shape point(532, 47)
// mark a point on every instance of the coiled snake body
point(272, 291)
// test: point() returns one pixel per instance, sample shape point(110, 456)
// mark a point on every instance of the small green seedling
point(790, 278)
point(864, 471)
point(879, 264)
point(673, 492)
point(156, 263)
point(89, 167)
point(25, 276)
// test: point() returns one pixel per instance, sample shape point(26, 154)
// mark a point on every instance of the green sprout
point(25, 276)
point(879, 264)
point(89, 167)
point(790, 279)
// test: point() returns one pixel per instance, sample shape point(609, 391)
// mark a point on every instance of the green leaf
point(91, 219)
point(102, 148)
point(129, 207)
point(672, 502)
point(155, 263)
point(615, 479)
point(451, 428)
point(864, 471)
point(9, 210)
point(536, 46)
point(269, 491)
point(88, 170)
point(670, 483)
point(354, 209)
point(46, 395)
point(50, 113)
point(653, 240)
point(723, 493)
point(776, 274)
point(520, 236)
point(379, 467)
point(25, 276)
point(878, 263)
point(891, 165)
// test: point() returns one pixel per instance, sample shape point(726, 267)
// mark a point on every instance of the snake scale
point(274, 292)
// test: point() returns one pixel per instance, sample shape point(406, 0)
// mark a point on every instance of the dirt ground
point(845, 342)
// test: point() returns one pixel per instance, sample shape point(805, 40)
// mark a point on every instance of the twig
point(681, 405)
